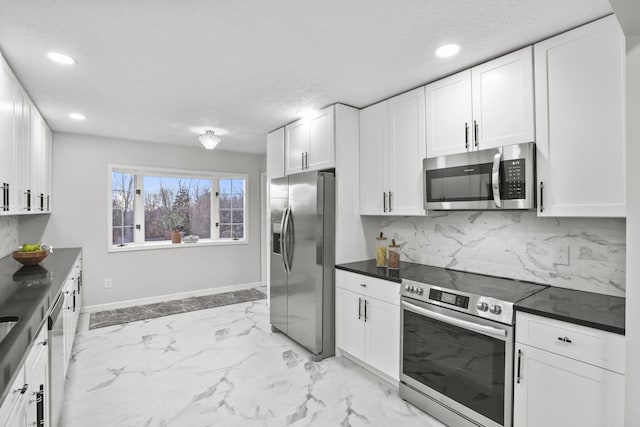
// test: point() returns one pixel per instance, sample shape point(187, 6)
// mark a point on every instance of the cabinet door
point(36, 161)
point(321, 151)
point(406, 153)
point(350, 322)
point(580, 111)
point(555, 391)
point(7, 159)
point(21, 199)
point(374, 137)
point(48, 142)
point(382, 332)
point(503, 100)
point(449, 115)
point(275, 154)
point(36, 375)
point(296, 145)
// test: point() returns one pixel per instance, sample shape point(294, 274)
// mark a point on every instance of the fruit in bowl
point(31, 254)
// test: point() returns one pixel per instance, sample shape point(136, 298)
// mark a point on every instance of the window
point(147, 205)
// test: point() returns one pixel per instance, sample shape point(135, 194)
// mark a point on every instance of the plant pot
point(176, 237)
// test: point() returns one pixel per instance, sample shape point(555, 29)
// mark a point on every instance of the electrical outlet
point(561, 254)
point(108, 283)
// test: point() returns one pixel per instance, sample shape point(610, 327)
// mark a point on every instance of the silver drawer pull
point(22, 390)
point(364, 285)
point(564, 339)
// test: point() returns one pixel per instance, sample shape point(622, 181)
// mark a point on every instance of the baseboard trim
point(391, 381)
point(168, 297)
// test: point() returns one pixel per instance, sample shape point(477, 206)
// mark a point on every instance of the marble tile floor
point(118, 316)
point(219, 367)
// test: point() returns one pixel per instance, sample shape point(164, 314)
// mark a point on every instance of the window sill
point(166, 244)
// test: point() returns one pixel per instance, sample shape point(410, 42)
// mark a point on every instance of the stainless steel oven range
point(456, 360)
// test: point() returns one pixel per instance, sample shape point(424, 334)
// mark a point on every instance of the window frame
point(138, 235)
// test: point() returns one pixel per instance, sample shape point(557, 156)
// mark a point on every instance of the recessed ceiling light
point(447, 50)
point(76, 116)
point(61, 58)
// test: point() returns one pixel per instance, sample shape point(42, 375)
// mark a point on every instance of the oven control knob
point(406, 287)
point(419, 291)
point(482, 306)
point(496, 309)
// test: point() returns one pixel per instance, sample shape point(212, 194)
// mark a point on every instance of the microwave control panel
point(513, 180)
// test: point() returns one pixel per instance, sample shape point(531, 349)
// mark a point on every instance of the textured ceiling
point(155, 70)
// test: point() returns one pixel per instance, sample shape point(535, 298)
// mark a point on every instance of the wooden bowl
point(29, 258)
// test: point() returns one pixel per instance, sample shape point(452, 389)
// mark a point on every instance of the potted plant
point(174, 220)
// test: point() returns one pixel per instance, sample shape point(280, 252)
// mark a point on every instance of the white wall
point(79, 218)
point(633, 235)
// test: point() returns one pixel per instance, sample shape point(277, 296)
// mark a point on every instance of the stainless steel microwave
point(496, 178)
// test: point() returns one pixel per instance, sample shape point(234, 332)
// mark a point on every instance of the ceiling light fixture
point(76, 116)
point(447, 50)
point(209, 140)
point(61, 58)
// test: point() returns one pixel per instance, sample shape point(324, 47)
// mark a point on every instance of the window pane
point(122, 206)
point(225, 231)
point(232, 208)
point(180, 204)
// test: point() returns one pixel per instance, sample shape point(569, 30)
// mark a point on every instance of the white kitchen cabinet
point(567, 374)
point(13, 411)
point(7, 148)
point(392, 147)
point(580, 121)
point(275, 154)
point(310, 142)
point(487, 106)
point(25, 147)
point(368, 321)
point(71, 309)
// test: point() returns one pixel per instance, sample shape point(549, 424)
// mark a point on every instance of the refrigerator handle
point(291, 235)
point(283, 240)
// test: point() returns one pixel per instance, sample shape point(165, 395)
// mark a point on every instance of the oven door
point(456, 366)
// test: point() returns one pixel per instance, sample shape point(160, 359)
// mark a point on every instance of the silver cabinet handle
point(475, 133)
point(302, 161)
point(384, 202)
point(541, 196)
point(465, 324)
point(21, 390)
point(495, 180)
point(389, 201)
point(365, 310)
point(466, 135)
point(359, 308)
point(565, 340)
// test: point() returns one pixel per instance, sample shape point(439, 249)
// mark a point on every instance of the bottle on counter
point(381, 251)
point(394, 255)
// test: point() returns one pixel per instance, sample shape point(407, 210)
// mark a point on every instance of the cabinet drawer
point(384, 290)
point(13, 396)
point(38, 351)
point(599, 348)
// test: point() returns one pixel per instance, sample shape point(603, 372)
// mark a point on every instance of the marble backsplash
point(8, 235)
point(514, 244)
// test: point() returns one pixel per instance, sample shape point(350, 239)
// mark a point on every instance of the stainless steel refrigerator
point(302, 260)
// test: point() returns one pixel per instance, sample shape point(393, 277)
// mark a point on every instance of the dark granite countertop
point(582, 308)
point(28, 292)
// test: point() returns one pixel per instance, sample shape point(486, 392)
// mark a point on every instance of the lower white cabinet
point(71, 307)
point(368, 321)
point(27, 401)
point(567, 375)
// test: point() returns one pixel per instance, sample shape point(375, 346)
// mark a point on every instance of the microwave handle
point(495, 179)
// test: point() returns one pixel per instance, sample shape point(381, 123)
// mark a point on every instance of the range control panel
point(488, 308)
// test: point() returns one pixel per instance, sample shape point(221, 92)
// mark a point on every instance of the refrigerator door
point(304, 304)
point(278, 277)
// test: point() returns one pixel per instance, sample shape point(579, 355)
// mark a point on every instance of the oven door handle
point(495, 180)
point(482, 329)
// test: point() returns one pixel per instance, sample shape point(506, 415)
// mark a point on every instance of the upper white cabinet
point(580, 121)
point(567, 375)
point(25, 147)
point(392, 146)
point(275, 154)
point(488, 106)
point(310, 143)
